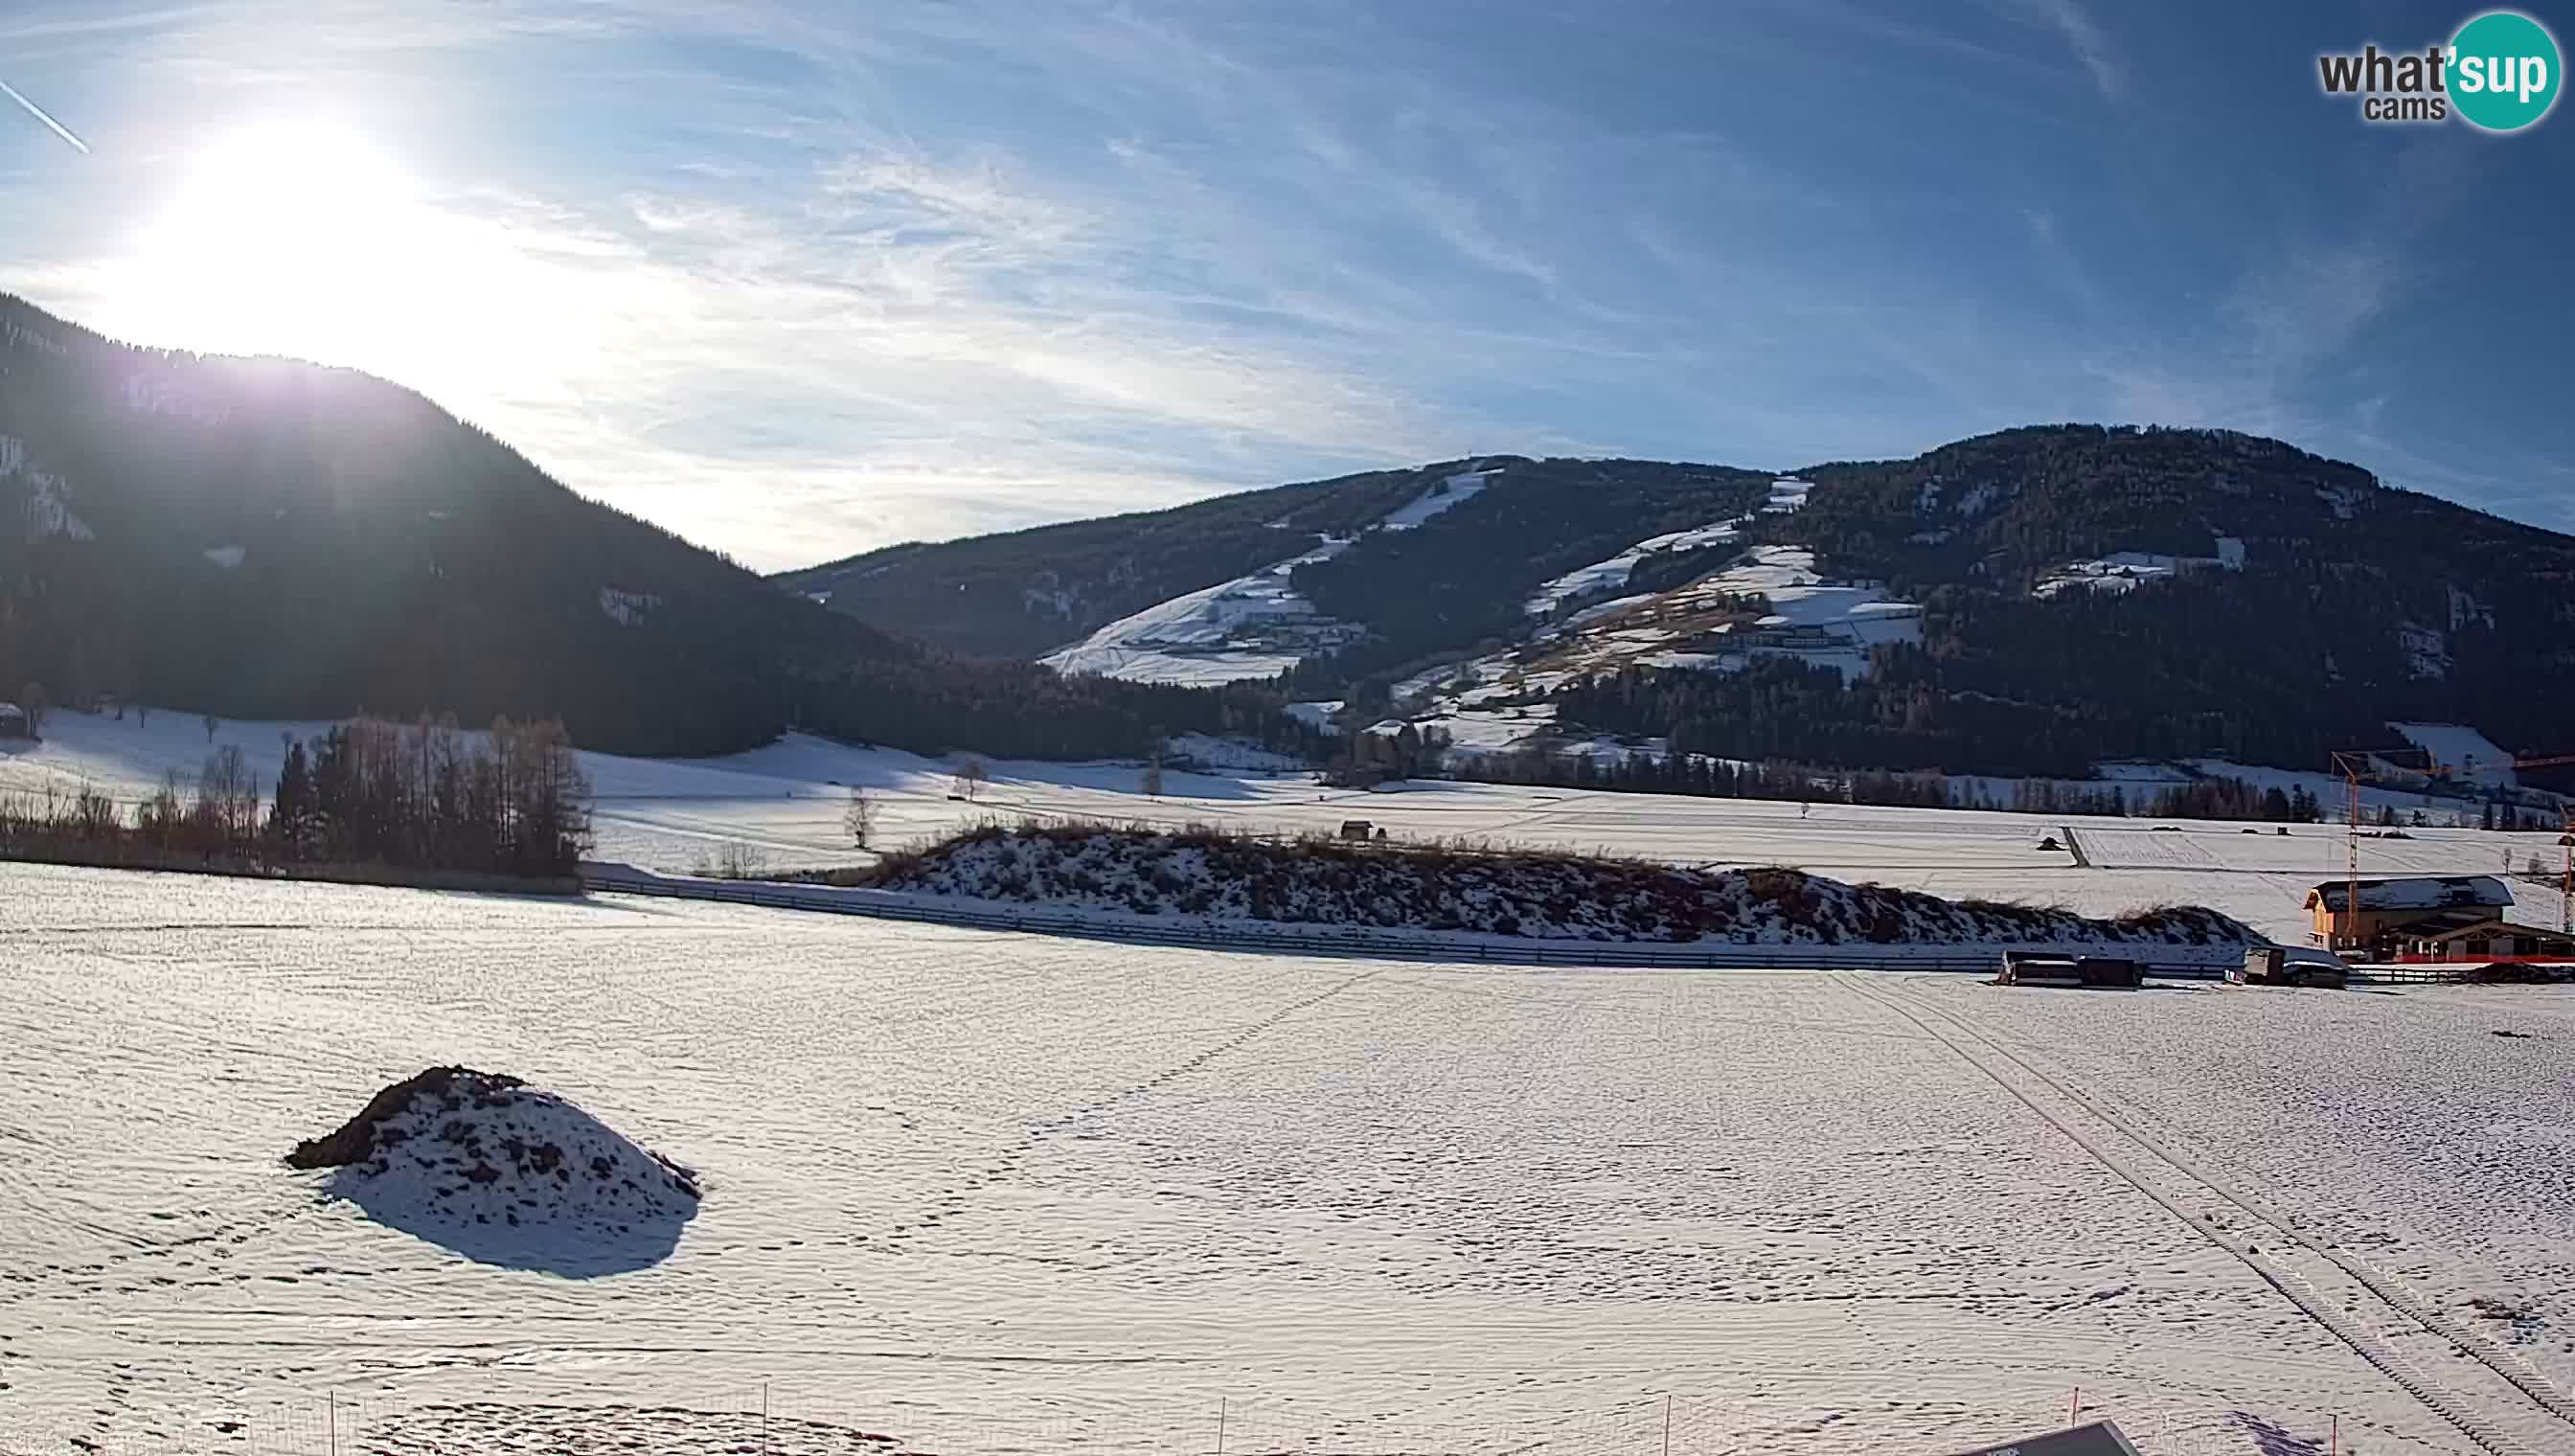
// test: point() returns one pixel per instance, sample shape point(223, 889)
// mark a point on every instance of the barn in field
point(13, 722)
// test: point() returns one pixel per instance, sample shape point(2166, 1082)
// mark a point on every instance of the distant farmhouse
point(13, 722)
point(2454, 917)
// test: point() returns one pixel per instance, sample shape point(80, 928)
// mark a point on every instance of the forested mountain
point(2297, 607)
point(1027, 592)
point(266, 539)
point(2029, 602)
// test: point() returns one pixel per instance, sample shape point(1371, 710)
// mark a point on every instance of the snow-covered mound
point(1206, 876)
point(505, 1173)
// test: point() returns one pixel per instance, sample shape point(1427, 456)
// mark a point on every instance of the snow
point(227, 556)
point(1979, 500)
point(514, 1176)
point(2122, 570)
point(2427, 651)
point(1611, 574)
point(2462, 750)
point(984, 1193)
point(149, 396)
point(16, 335)
point(1317, 715)
point(1209, 753)
point(1787, 496)
point(1821, 624)
point(2342, 500)
point(627, 609)
point(1243, 883)
point(2423, 893)
point(1252, 627)
point(784, 804)
point(1451, 492)
point(49, 511)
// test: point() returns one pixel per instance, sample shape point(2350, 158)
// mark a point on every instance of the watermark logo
point(2500, 73)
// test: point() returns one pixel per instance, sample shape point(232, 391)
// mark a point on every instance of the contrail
point(38, 112)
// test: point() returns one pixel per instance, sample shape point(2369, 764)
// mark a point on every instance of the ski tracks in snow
point(968, 1191)
point(2493, 1397)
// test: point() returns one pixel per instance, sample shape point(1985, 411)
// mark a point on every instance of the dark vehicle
point(2290, 965)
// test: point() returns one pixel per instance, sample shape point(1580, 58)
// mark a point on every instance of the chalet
point(2469, 935)
point(13, 722)
point(2387, 908)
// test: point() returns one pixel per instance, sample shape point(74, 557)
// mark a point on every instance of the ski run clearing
point(1252, 627)
point(979, 1193)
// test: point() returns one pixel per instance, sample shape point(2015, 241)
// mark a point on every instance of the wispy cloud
point(2083, 35)
point(798, 285)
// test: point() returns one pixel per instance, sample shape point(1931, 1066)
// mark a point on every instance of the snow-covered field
point(980, 1193)
point(782, 805)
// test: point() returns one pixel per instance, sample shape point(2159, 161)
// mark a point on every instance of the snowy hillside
point(1206, 876)
point(1252, 627)
point(2123, 569)
point(1608, 577)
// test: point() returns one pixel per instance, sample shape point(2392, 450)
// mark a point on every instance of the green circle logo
point(2504, 71)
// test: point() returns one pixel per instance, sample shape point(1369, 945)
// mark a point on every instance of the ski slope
point(1611, 574)
point(1252, 627)
point(972, 1194)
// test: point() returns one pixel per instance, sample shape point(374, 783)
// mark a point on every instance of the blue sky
point(798, 279)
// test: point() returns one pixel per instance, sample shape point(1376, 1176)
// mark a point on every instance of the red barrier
point(2476, 960)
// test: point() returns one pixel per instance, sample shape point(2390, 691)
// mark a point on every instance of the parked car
point(2290, 965)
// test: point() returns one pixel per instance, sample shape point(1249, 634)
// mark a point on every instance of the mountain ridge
point(2023, 602)
point(268, 539)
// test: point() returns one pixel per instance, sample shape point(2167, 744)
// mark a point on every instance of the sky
point(804, 278)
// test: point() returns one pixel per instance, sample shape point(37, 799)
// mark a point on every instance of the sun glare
point(310, 239)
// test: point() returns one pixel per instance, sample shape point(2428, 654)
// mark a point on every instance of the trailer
point(2290, 965)
point(2071, 972)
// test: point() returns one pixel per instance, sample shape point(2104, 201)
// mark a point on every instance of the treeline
point(1021, 710)
point(512, 801)
point(1638, 773)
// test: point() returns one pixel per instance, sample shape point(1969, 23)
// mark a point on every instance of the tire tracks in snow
point(2351, 1300)
point(962, 1196)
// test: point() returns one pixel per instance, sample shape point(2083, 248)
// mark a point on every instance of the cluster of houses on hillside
point(2453, 917)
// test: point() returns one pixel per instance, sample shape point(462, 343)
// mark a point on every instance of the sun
point(311, 240)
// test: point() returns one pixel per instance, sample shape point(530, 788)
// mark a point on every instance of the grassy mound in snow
point(1539, 893)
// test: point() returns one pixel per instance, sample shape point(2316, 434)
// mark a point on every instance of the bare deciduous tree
point(970, 776)
point(859, 818)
